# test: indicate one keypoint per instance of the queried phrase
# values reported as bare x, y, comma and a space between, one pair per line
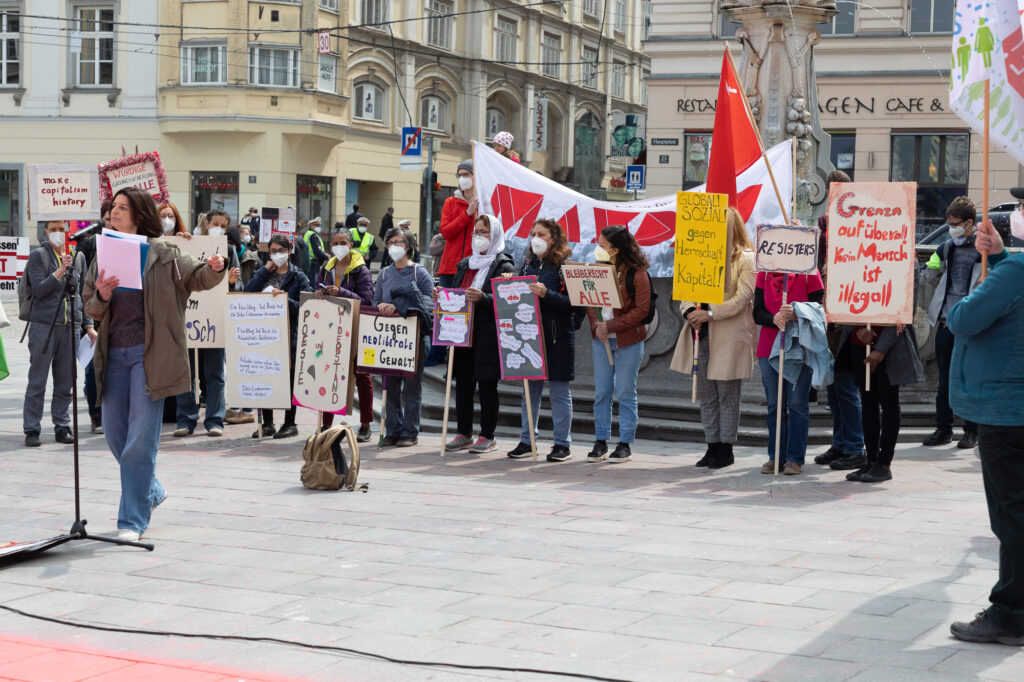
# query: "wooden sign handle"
447, 400
529, 418
782, 379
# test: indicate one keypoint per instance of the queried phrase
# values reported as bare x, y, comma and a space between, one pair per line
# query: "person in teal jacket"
986, 385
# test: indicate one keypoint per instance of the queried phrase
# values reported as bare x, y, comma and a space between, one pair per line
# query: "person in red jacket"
457, 217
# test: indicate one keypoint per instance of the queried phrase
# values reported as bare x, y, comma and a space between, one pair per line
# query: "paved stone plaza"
651, 570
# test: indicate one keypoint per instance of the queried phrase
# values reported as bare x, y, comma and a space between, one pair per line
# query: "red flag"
734, 143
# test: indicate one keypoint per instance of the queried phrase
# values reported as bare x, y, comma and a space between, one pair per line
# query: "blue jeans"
844, 402
188, 410
405, 398
131, 425
619, 380
90, 388
944, 341
796, 413
561, 410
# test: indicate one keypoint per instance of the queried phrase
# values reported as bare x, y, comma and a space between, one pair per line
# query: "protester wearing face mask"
346, 275
47, 270
240, 276
457, 217
959, 265
404, 289
170, 220
385, 260
248, 257
281, 278
625, 333
314, 247
478, 364
547, 251
363, 240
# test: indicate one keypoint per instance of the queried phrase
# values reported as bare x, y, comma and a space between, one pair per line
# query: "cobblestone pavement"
650, 570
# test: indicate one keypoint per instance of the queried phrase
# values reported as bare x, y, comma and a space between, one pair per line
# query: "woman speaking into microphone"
140, 356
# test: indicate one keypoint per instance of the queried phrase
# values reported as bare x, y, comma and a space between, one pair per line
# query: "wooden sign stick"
867, 367
778, 400
608, 350
529, 418
383, 412
195, 375
696, 353
319, 421
447, 400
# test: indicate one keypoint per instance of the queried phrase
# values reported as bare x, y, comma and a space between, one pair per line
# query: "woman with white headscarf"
478, 365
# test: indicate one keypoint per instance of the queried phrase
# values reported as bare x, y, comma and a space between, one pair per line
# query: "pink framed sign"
144, 171
453, 319
520, 334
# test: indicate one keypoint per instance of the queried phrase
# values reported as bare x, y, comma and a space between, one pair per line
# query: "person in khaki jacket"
140, 356
728, 328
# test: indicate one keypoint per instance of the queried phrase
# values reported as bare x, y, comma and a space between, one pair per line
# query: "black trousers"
466, 384
1002, 467
880, 415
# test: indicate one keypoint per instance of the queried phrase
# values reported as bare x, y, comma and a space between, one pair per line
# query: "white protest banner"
257, 350
63, 192
204, 314
144, 171
387, 345
792, 249
13, 258
591, 285
324, 367
871, 257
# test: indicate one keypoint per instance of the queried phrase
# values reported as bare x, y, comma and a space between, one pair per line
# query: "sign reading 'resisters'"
791, 249
871, 258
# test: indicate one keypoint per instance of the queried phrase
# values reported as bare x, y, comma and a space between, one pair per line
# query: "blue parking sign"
412, 141
635, 177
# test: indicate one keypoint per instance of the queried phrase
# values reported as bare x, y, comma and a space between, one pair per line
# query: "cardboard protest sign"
144, 171
64, 192
324, 367
387, 345
701, 247
257, 350
870, 260
591, 285
13, 258
520, 336
791, 249
276, 221
453, 319
204, 314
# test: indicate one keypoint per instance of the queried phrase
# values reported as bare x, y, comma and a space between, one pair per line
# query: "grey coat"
47, 290
902, 362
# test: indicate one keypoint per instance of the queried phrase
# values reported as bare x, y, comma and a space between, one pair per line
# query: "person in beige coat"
728, 328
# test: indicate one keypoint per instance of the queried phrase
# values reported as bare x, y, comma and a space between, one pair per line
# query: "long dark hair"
144, 213
630, 257
559, 250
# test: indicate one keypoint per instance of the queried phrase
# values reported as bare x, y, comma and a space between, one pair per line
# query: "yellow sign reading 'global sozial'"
701, 249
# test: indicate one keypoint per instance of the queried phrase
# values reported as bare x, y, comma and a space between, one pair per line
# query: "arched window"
369, 102
434, 113
495, 122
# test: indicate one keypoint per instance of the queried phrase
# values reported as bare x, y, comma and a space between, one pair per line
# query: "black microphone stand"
22, 551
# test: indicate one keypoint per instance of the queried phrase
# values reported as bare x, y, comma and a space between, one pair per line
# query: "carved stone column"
776, 69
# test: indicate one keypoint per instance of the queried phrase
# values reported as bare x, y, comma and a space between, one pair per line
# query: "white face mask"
168, 224
1017, 224
481, 244
217, 231
396, 252
362, 229
340, 252
57, 239
246, 238
465, 182
956, 232
279, 259
539, 246
601, 256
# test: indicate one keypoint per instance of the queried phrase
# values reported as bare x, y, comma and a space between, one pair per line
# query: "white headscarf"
482, 264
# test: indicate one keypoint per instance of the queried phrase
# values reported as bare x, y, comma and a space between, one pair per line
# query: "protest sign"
520, 336
276, 221
870, 260
257, 351
453, 319
792, 249
591, 285
63, 192
387, 345
13, 258
144, 171
204, 314
701, 247
324, 376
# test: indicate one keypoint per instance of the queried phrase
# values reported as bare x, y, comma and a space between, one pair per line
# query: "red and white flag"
735, 146
519, 196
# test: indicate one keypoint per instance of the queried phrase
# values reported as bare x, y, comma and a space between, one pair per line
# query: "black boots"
718, 456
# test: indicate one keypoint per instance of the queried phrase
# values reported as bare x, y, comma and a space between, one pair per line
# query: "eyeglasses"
396, 243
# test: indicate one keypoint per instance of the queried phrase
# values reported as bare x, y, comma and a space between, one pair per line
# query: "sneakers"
559, 453
938, 437
268, 431
215, 432
183, 432
848, 462
125, 535
364, 434
876, 474
407, 442
287, 431
599, 452
722, 457
708, 454
483, 445
97, 424
622, 454
240, 418
829, 456
791, 469
968, 442
63, 435
231, 414
459, 442
768, 467
855, 475
520, 451
32, 440
389, 441
982, 629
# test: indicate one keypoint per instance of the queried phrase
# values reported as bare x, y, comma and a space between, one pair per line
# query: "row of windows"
926, 16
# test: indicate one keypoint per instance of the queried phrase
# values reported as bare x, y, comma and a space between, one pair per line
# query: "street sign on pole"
412, 149
635, 177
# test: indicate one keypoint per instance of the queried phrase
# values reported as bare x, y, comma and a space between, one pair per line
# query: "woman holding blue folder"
140, 356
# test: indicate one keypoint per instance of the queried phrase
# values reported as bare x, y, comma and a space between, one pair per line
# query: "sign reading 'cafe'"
838, 106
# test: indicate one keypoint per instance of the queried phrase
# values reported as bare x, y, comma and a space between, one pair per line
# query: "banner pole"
793, 149
319, 421
447, 400
778, 400
984, 179
867, 367
608, 352
383, 410
195, 375
529, 418
696, 352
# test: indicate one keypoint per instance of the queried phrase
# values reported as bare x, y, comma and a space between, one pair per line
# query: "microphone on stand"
87, 232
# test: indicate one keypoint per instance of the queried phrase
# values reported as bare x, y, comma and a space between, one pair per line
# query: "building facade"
882, 79
249, 106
